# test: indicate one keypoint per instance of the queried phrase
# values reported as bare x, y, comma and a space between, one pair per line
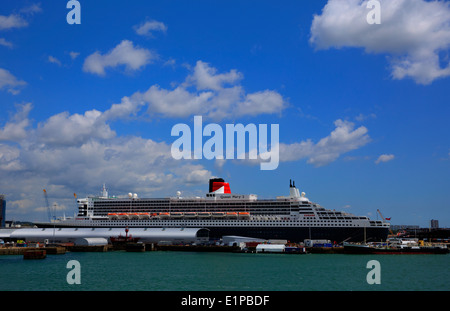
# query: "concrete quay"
53, 250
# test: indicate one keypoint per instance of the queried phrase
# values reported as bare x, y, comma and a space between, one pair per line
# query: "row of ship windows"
181, 208
122, 208
265, 222
234, 221
128, 203
348, 218
269, 213
199, 207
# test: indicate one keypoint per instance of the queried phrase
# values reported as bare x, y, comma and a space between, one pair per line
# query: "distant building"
404, 227
2, 210
434, 224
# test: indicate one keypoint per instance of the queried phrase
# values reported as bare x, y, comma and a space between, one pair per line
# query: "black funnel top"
212, 180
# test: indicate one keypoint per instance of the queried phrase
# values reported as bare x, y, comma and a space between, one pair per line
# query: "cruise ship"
293, 217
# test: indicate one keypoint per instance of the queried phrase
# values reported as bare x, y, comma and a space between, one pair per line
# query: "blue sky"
94, 103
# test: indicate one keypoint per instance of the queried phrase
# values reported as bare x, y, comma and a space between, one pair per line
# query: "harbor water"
201, 271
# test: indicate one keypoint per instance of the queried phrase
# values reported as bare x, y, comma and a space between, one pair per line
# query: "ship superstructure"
293, 217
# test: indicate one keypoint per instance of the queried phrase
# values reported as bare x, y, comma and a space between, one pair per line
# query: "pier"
325, 250
20, 241
53, 250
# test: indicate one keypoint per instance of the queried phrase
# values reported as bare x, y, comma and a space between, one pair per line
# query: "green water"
189, 271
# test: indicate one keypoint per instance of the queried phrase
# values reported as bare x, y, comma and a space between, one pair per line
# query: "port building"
70, 235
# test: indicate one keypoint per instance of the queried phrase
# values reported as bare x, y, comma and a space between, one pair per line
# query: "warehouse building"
70, 235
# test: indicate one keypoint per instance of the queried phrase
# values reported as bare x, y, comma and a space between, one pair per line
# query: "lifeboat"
204, 214
218, 214
244, 215
176, 215
133, 216
154, 216
164, 215
232, 215
144, 215
123, 216
190, 215
113, 216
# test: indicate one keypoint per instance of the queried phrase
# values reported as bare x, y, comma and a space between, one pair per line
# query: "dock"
88, 248
54, 250
135, 247
325, 250
197, 248
35, 254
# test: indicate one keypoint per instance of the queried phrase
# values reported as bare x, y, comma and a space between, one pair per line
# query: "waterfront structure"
70, 235
404, 227
223, 213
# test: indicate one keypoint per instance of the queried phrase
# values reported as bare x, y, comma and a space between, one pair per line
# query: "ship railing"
176, 215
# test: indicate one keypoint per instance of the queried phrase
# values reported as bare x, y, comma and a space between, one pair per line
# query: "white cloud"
75, 129
176, 103
6, 43
412, 33
342, 139
73, 54
147, 28
32, 9
12, 21
261, 102
9, 82
211, 94
361, 117
70, 153
169, 62
125, 109
16, 128
195, 174
125, 53
385, 158
206, 77
54, 60
17, 21
8, 158
64, 129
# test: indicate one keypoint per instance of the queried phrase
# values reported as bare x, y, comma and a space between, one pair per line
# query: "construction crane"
48, 206
385, 220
